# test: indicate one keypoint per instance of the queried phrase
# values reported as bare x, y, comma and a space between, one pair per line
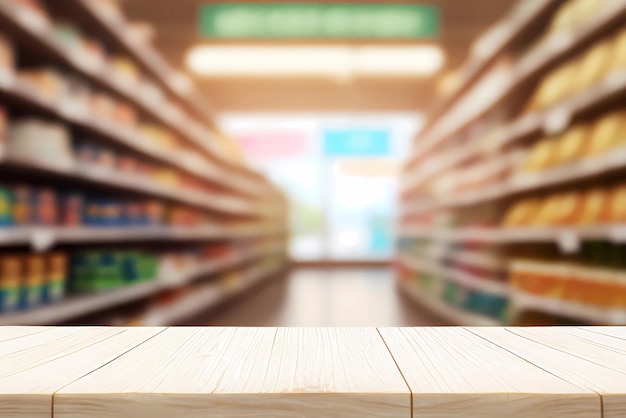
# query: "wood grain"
454, 373
40, 361
195, 372
607, 352
245, 372
335, 372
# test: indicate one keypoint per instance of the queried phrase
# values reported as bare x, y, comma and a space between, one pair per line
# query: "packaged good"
4, 122
619, 58
56, 278
35, 139
126, 115
33, 282
542, 155
594, 65
559, 209
44, 207
556, 86
607, 133
6, 206
22, 213
522, 212
72, 207
48, 82
617, 205
10, 283
67, 34
595, 204
124, 70
7, 56
572, 145
102, 106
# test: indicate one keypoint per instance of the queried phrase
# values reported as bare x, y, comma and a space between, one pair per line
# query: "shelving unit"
219, 201
493, 132
77, 306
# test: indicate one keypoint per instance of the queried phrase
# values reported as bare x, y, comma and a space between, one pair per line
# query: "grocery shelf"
17, 91
76, 306
462, 278
207, 297
109, 178
38, 35
541, 57
80, 305
611, 87
446, 311
608, 89
494, 44
567, 237
480, 259
148, 58
595, 315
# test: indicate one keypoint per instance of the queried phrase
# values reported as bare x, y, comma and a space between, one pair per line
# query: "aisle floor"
326, 297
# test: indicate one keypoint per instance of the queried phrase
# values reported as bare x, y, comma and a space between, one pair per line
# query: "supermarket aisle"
325, 297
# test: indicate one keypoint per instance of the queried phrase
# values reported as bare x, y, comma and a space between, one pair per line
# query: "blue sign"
356, 143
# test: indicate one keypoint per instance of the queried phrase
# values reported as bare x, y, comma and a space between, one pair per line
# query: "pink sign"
269, 144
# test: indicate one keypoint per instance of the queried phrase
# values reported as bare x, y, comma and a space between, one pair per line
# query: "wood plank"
335, 372
195, 372
13, 332
601, 349
609, 383
34, 366
452, 372
613, 331
245, 372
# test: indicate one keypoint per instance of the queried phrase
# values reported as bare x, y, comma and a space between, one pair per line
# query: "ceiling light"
399, 61
341, 62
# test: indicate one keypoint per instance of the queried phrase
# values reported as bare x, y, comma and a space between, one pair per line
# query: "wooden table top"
105, 372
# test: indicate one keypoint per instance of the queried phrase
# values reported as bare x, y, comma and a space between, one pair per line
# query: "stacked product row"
29, 281
545, 157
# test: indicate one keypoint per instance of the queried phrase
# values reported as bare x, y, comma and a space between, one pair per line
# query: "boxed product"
39, 140
7, 56
6, 206
33, 282
10, 283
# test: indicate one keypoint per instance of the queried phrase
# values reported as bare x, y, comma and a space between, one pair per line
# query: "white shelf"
450, 313
76, 306
592, 314
43, 238
611, 232
205, 298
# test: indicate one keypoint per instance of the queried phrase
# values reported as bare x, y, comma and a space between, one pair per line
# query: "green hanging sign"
318, 20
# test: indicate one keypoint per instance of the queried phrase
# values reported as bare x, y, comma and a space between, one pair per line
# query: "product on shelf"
42, 141
10, 283
522, 212
607, 133
29, 281
7, 56
124, 70
572, 145
575, 12
96, 271
4, 122
594, 64
570, 282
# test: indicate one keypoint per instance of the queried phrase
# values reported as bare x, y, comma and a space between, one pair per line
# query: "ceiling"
175, 22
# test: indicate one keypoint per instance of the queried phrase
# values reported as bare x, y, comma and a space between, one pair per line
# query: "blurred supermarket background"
312, 163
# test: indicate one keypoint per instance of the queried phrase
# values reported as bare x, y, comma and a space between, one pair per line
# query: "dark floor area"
325, 297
